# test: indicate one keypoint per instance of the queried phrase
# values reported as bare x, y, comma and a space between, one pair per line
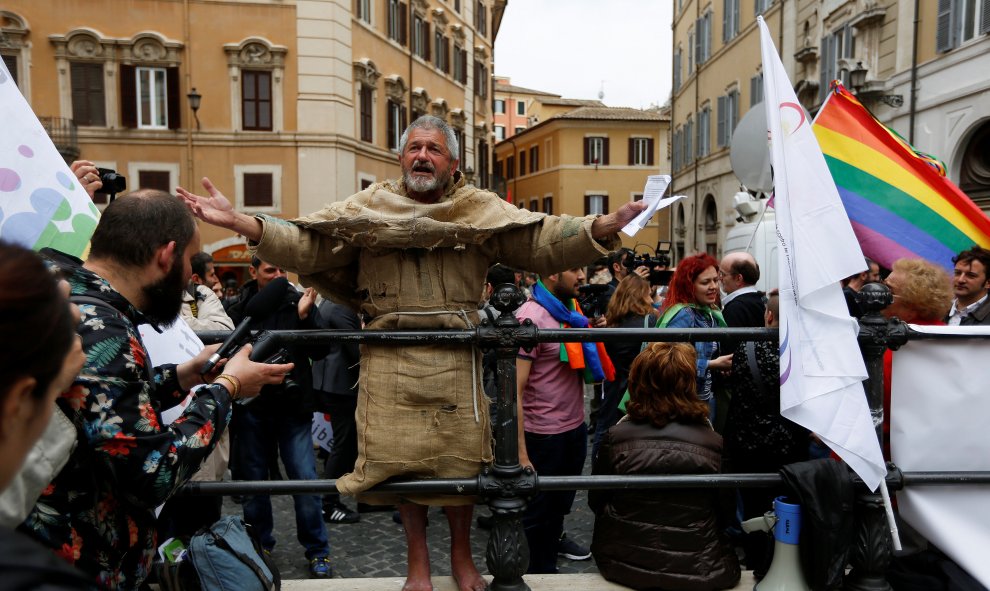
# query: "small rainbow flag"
899, 201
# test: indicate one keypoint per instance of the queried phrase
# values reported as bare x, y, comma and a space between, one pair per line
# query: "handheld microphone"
263, 304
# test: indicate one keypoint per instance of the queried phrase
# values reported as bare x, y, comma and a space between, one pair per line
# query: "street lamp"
857, 77
857, 80
194, 100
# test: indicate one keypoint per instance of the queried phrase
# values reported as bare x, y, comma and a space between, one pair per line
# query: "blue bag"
226, 557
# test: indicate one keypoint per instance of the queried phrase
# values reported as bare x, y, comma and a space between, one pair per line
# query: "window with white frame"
396, 123
704, 131
499, 133
397, 21
959, 21
596, 150
499, 106
730, 20
691, 51
152, 97
641, 151
258, 187
728, 116
362, 10
441, 50
421, 37
595, 204
837, 46
688, 140
520, 107
756, 89
703, 38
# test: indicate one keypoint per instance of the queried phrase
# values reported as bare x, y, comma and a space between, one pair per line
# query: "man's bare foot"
468, 578
417, 552
462, 566
417, 584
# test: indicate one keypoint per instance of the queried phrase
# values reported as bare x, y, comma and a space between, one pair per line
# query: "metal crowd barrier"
505, 486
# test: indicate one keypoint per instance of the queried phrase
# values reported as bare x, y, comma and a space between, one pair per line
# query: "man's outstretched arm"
216, 210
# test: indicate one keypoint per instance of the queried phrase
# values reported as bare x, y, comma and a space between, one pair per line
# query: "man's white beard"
419, 184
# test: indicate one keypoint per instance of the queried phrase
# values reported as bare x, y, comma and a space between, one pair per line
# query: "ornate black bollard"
506, 485
872, 545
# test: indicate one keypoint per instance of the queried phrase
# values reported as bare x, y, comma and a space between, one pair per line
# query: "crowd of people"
412, 253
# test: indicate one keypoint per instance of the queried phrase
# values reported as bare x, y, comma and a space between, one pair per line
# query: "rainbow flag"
899, 201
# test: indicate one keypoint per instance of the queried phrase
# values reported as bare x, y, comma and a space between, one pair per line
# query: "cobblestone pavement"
376, 546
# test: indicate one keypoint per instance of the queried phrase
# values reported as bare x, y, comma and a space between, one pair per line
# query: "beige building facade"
717, 79
923, 74
589, 160
298, 102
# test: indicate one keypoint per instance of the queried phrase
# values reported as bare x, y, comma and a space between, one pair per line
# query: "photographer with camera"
99, 511
102, 181
279, 423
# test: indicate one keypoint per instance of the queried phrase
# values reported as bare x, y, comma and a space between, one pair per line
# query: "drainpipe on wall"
698, 236
186, 36
515, 177
914, 73
409, 38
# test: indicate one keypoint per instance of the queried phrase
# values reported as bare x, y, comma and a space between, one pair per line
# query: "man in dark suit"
970, 284
742, 304
335, 381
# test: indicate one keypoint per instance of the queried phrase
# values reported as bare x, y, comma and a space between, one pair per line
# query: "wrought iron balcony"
64, 135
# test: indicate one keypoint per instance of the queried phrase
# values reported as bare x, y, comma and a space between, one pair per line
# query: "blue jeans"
292, 434
552, 455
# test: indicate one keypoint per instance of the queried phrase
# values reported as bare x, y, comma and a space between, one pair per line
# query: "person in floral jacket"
99, 512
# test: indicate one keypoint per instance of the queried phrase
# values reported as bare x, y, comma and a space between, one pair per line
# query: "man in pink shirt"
551, 403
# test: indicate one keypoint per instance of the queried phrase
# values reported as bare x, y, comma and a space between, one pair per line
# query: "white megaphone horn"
785, 570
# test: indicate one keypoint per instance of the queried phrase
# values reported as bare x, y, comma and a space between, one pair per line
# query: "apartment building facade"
285, 104
589, 160
921, 74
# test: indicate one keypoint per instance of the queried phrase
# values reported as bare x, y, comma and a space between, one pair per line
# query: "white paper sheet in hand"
175, 344
656, 186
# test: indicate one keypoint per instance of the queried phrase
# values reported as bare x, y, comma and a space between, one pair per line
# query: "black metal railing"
505, 486
64, 134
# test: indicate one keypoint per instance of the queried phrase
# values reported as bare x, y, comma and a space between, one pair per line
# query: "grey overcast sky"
575, 48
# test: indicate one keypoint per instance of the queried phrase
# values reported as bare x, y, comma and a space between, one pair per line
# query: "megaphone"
785, 570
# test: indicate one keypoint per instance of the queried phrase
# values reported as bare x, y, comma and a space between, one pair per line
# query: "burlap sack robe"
408, 265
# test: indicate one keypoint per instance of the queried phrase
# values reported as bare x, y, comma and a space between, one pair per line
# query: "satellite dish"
749, 151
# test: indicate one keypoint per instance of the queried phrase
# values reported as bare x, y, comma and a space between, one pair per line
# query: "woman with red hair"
692, 302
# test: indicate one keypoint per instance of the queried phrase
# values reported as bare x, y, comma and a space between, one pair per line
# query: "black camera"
593, 299
113, 183
657, 264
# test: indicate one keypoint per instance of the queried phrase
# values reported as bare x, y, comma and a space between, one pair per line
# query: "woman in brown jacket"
662, 539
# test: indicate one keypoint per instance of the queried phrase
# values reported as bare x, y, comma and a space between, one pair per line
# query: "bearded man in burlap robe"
413, 254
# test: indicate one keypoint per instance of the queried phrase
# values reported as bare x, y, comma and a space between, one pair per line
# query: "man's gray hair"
431, 122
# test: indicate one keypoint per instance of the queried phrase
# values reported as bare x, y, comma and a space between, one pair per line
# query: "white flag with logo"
821, 367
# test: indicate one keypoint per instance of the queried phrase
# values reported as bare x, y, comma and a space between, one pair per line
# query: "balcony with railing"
64, 134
